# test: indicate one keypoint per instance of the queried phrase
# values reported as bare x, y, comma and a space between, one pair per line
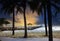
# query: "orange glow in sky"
30, 18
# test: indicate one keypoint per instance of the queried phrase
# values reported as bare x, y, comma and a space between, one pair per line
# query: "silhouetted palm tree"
34, 4
49, 3
49, 20
10, 6
45, 20
24, 10
39, 5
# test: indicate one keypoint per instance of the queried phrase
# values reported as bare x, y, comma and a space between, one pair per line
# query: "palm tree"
25, 25
39, 5
6, 7
49, 20
44, 6
34, 6
9, 6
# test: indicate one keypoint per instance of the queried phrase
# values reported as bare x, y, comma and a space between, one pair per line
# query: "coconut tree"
45, 20
49, 20
45, 4
39, 5
9, 7
34, 4
24, 10
49, 3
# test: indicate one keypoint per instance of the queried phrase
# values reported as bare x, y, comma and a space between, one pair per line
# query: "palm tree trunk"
25, 25
45, 20
49, 20
13, 21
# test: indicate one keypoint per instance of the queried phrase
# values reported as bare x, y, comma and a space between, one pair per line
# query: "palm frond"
8, 6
